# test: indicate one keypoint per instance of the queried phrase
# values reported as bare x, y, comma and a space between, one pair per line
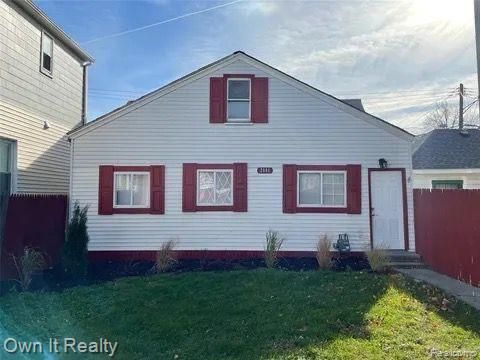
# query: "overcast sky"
400, 57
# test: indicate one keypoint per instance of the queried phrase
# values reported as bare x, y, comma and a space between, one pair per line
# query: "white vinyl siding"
175, 129
57, 98
42, 157
471, 180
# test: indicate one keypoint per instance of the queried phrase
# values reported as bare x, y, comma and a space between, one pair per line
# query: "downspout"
84, 92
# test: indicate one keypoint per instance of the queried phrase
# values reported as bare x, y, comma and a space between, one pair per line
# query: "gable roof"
240, 55
37, 14
448, 149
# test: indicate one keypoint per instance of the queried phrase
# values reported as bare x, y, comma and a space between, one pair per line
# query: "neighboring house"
42, 97
447, 159
220, 156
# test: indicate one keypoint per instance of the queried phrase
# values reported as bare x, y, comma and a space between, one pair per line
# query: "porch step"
407, 265
405, 259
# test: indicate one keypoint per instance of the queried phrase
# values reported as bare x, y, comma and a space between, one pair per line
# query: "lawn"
257, 314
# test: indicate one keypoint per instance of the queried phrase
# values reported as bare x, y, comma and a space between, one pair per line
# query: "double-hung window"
238, 100
321, 189
215, 187
131, 190
46, 60
6, 148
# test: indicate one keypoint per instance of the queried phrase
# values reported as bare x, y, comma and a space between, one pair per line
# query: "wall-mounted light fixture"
46, 125
382, 163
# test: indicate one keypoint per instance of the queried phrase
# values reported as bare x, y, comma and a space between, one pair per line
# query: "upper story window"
6, 149
238, 99
46, 60
215, 187
132, 190
322, 188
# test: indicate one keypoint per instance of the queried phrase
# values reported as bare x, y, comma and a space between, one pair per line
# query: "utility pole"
460, 107
476, 10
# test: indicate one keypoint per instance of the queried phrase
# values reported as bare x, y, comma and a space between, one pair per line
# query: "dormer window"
46, 60
238, 100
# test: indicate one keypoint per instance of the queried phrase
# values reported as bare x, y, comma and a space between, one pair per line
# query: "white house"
221, 155
447, 159
42, 97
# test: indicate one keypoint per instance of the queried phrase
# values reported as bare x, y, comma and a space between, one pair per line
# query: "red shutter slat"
240, 195
289, 188
354, 189
217, 100
105, 190
189, 193
157, 189
259, 100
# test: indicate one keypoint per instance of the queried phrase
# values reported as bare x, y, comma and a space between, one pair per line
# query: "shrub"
324, 258
29, 263
165, 257
378, 260
273, 244
75, 250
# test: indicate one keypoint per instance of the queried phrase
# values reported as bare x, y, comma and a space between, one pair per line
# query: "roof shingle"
447, 149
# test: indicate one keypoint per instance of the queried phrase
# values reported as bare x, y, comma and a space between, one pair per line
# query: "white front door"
386, 192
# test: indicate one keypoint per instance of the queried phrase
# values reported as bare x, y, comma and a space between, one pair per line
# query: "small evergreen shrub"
323, 256
165, 257
75, 250
272, 246
31, 262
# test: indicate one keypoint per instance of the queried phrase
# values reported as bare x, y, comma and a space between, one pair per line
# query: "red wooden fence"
37, 221
447, 232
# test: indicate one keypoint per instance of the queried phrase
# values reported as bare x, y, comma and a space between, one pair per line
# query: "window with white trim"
6, 166
238, 99
131, 190
322, 188
215, 187
46, 60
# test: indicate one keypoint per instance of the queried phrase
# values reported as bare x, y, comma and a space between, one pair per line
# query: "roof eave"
37, 14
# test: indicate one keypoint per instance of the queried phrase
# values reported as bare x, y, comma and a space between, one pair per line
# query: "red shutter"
354, 189
189, 196
289, 188
259, 100
105, 190
217, 100
157, 189
240, 196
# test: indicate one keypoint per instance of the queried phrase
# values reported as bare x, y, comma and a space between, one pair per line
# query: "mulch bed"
53, 280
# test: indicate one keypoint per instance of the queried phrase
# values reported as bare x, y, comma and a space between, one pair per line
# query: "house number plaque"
264, 170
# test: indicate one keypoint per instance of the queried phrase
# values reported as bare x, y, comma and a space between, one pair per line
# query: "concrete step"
408, 265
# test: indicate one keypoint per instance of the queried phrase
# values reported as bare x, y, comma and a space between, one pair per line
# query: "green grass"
260, 314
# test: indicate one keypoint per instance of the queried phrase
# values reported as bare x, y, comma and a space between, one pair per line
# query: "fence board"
33, 220
447, 231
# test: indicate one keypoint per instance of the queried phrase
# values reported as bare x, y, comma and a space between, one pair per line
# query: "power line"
160, 22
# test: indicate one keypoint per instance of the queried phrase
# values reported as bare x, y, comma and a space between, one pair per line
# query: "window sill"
238, 123
131, 210
214, 208
332, 210
46, 73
